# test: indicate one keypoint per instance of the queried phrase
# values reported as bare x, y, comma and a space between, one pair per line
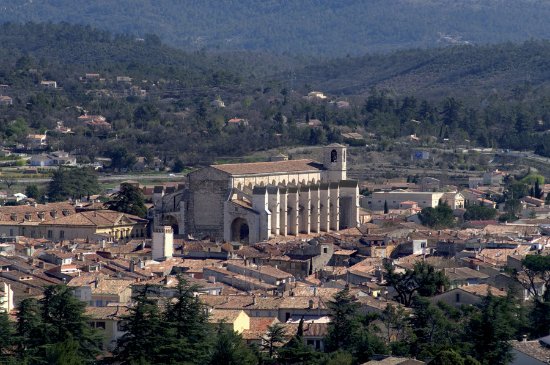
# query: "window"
100, 325
287, 316
61, 235
325, 250
333, 156
457, 297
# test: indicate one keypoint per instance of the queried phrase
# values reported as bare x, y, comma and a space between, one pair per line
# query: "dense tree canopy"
129, 199
438, 217
423, 280
72, 183
479, 212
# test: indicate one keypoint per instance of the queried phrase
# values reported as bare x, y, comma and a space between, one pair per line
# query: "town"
269, 245
245, 187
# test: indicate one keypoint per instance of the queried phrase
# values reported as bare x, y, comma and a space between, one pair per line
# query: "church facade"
252, 202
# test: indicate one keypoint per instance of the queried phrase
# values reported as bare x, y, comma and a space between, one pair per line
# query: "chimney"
132, 265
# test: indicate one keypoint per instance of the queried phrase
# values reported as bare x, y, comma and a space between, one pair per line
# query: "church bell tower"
334, 162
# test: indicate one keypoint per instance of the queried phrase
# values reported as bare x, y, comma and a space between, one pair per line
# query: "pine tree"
342, 332
187, 321
55, 328
491, 329
29, 330
6, 336
230, 349
63, 317
274, 337
144, 333
128, 200
66, 353
295, 351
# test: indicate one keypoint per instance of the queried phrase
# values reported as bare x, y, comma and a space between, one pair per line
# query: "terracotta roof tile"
270, 167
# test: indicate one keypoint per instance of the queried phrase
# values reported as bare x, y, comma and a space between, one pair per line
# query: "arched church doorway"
240, 230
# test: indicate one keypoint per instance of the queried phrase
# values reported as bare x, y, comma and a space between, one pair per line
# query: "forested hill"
311, 27
463, 71
69, 48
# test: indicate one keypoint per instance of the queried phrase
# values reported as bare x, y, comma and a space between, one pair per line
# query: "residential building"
467, 295
49, 84
108, 321
5, 100
36, 141
536, 352
236, 122
58, 158
424, 199
316, 95
237, 320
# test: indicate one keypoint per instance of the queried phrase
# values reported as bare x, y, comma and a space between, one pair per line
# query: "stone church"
252, 202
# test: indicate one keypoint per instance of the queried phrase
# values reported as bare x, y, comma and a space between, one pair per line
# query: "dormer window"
41, 215
65, 212
13, 216
28, 216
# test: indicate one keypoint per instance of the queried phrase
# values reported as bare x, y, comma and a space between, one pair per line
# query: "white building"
424, 199
163, 243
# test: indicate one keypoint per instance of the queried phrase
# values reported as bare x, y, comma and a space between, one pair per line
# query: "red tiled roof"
270, 167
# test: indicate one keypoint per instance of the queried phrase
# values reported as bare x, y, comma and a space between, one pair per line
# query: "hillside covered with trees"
465, 71
312, 27
174, 107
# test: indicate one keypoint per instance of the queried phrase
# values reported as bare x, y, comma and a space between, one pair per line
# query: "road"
112, 178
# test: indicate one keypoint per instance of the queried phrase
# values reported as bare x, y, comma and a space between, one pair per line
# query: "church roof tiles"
270, 167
